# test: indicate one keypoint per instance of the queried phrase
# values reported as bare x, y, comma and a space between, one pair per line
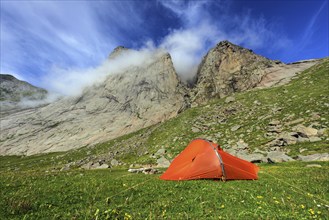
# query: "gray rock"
87, 166
148, 170
306, 132
229, 99
114, 162
235, 128
313, 165
253, 157
274, 123
314, 139
314, 157
195, 130
256, 102
274, 129
301, 150
163, 162
288, 138
278, 156
161, 152
65, 168
242, 145
322, 132
103, 166
302, 139
297, 121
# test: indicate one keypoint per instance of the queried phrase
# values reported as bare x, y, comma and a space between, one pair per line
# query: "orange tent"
203, 159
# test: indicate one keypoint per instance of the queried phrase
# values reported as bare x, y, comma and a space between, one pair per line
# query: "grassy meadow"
283, 191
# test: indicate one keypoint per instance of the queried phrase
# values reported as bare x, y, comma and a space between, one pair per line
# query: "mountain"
228, 68
287, 122
138, 97
14, 92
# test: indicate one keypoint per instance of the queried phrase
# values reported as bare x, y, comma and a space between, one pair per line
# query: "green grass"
283, 191
33, 187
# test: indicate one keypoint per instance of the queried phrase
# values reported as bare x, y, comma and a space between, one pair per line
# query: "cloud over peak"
65, 41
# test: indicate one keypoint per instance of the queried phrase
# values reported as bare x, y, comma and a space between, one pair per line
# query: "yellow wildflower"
311, 211
127, 216
259, 197
302, 206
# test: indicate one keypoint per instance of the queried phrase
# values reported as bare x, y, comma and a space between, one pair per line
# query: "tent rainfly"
203, 159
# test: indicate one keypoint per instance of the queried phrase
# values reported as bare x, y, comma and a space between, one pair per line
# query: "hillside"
290, 120
136, 96
251, 125
16, 94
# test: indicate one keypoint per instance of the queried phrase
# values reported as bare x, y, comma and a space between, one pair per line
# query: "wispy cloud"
202, 30
39, 35
72, 82
310, 28
54, 43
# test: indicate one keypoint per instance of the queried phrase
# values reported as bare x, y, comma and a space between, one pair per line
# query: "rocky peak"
225, 46
228, 68
136, 98
13, 91
4, 77
117, 51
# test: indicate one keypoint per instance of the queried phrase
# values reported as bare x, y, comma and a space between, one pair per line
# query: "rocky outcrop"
125, 102
143, 95
14, 92
228, 68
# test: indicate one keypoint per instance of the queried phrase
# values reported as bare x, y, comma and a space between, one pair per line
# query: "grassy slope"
34, 187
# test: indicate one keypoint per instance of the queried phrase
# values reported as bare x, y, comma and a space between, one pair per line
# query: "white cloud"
71, 82
187, 46
66, 41
202, 30
47, 33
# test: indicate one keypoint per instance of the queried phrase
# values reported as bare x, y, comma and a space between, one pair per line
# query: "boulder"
195, 130
274, 122
161, 152
242, 145
87, 166
278, 156
114, 162
295, 121
103, 166
253, 157
288, 138
313, 165
314, 139
147, 170
163, 162
314, 157
274, 129
306, 132
229, 99
235, 128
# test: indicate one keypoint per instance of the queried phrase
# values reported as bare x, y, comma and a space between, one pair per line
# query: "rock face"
143, 95
226, 69
13, 91
125, 102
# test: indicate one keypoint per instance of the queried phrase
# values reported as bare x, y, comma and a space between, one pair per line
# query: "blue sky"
42, 39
